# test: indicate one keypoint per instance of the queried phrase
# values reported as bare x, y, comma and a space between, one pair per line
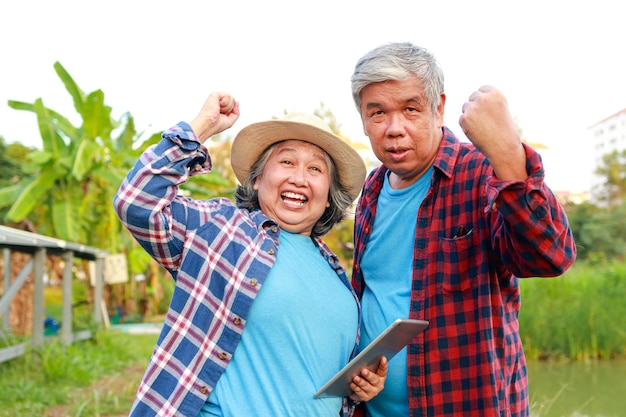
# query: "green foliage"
578, 216
341, 240
68, 185
613, 172
599, 233
577, 316
12, 157
13, 168
599, 229
76, 171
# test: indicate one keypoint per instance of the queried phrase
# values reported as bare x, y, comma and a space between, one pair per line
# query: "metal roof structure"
39, 246
30, 242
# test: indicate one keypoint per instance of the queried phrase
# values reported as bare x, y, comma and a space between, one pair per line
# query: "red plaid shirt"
470, 362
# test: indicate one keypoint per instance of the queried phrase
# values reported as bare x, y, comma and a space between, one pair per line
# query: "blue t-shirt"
387, 270
301, 330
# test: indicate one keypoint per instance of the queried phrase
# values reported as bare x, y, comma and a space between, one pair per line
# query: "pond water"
594, 389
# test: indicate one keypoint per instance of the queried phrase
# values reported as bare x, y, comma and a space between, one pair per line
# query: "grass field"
91, 378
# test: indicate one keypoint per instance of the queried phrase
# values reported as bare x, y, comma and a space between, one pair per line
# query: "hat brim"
252, 140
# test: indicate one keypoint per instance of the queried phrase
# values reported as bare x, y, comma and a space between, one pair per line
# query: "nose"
395, 128
298, 177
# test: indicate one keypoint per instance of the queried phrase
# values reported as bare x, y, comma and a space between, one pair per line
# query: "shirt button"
204, 390
275, 229
198, 167
253, 282
223, 356
494, 206
270, 252
237, 320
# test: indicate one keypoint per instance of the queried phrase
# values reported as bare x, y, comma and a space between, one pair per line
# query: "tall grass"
579, 316
69, 379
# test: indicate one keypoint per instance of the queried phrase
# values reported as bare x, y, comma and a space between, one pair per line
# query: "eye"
377, 116
316, 168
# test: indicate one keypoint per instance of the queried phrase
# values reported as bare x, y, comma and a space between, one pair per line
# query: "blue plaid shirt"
219, 256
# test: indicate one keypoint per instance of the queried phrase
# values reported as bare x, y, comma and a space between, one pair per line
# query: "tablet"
387, 344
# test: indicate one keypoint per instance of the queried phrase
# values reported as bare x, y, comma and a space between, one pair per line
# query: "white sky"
561, 65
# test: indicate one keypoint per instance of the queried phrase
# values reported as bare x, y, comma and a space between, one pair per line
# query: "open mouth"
293, 198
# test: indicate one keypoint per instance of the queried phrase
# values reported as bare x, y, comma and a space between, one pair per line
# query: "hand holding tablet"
388, 343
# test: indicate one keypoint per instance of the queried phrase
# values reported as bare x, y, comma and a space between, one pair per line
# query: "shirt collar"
448, 153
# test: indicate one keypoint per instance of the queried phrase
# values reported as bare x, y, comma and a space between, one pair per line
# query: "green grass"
90, 378
578, 316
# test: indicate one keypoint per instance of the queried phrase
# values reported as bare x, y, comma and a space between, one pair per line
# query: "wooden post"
38, 298
6, 283
99, 290
66, 321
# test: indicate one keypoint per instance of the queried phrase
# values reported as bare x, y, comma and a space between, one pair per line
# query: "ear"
256, 183
440, 108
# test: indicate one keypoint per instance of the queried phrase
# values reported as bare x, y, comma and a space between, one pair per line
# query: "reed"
578, 316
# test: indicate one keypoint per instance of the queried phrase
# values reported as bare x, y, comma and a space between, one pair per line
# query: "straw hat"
252, 140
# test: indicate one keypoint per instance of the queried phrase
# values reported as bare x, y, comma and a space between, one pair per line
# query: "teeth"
294, 196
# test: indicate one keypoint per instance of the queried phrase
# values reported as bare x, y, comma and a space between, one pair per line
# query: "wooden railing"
39, 246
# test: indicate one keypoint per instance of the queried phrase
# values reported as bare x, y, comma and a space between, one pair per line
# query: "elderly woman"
262, 313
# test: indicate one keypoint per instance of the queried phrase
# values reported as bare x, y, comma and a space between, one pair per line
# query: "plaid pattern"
475, 235
219, 257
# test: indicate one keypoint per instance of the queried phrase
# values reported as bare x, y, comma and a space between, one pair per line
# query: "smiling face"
403, 129
293, 188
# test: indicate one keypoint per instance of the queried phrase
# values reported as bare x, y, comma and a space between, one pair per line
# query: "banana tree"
69, 184
77, 171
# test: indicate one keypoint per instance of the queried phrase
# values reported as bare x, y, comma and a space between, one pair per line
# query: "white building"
608, 135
